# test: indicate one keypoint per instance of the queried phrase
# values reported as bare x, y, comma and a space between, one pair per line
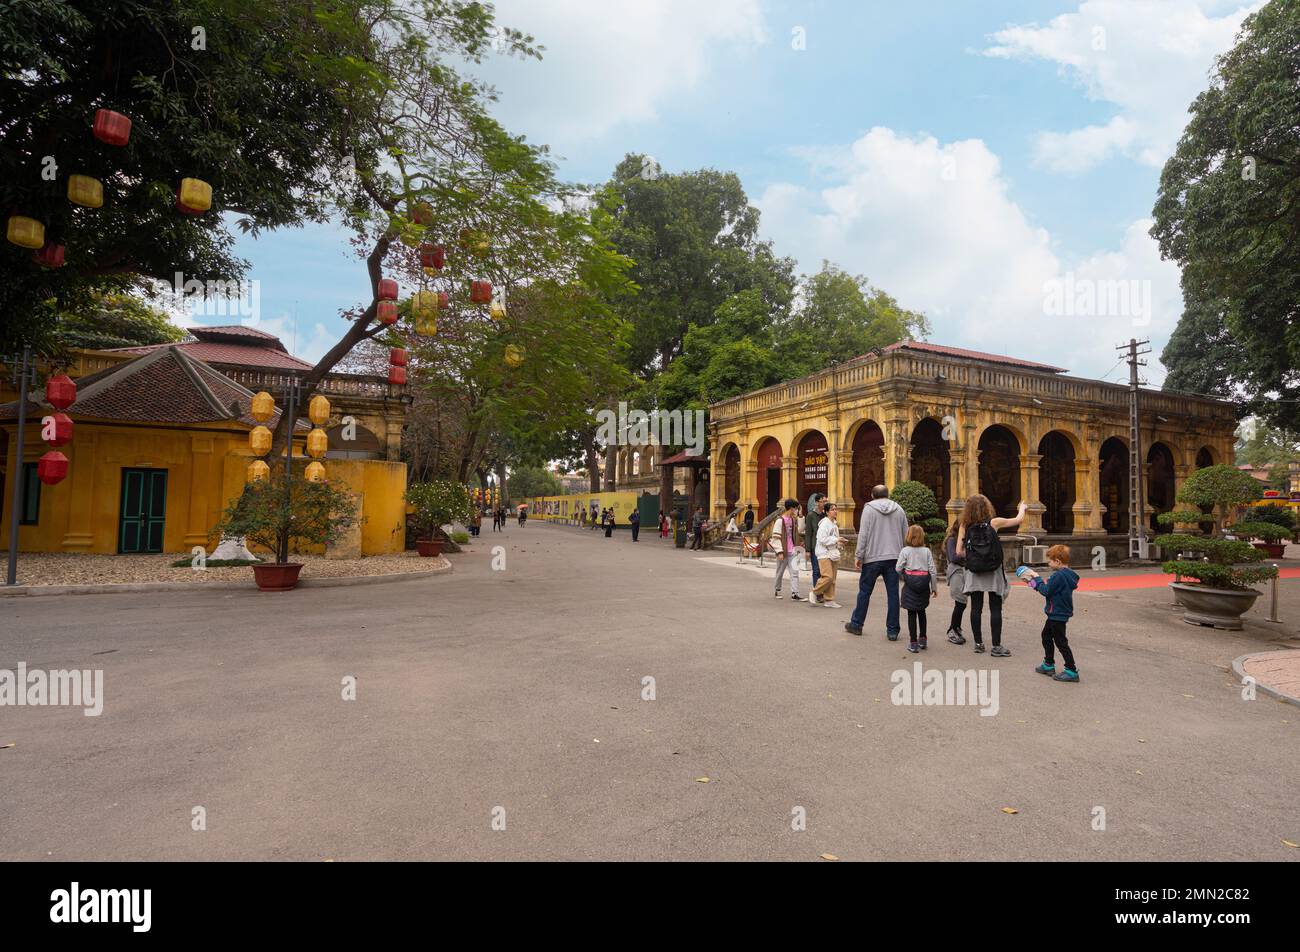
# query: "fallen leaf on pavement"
3, 746
701, 779
831, 856
1010, 810
1294, 846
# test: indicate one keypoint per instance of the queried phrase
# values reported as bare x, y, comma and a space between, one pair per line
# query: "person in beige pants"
827, 552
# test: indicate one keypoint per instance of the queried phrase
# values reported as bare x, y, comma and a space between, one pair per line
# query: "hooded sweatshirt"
883, 529
1059, 592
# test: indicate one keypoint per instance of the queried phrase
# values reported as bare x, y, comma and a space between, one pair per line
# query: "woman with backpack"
955, 575
980, 549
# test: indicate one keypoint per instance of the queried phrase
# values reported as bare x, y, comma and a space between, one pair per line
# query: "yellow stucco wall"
622, 502
205, 466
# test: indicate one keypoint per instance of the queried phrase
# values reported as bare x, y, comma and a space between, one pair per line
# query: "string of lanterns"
260, 439
193, 196
56, 429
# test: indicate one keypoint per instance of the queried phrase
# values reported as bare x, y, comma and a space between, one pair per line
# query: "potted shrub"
278, 515
1215, 574
434, 504
1280, 516
1265, 536
917, 500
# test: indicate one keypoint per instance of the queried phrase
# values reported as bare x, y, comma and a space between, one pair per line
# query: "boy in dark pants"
1059, 593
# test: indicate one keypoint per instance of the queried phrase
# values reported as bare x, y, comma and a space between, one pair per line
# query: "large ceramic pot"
277, 577
1214, 607
429, 548
1274, 550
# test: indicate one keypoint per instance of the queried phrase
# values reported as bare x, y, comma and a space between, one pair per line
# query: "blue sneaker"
1067, 675
1047, 669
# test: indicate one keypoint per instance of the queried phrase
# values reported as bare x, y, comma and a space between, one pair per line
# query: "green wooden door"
144, 510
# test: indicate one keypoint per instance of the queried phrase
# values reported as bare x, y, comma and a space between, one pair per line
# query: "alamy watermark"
1089, 297
58, 688
951, 687
220, 298
626, 427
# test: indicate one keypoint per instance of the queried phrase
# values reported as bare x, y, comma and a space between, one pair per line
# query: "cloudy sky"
982, 162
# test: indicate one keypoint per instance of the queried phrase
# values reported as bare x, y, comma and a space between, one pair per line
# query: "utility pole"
1137, 521
24, 378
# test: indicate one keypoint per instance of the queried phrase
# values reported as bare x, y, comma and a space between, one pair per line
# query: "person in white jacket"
827, 552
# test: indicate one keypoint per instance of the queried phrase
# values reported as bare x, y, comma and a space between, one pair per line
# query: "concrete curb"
121, 588
1238, 665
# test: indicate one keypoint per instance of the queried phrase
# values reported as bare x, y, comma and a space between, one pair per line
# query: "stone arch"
1058, 449
731, 475
868, 448
364, 445
1000, 448
767, 486
1204, 457
636, 463
930, 462
1112, 479
1161, 487
812, 465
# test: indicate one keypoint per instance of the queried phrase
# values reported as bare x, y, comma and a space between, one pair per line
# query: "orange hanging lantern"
60, 391
314, 473
514, 355
397, 357
259, 440
317, 443
194, 197
56, 429
26, 232
386, 311
52, 468
444, 301
397, 376
480, 292
111, 127
257, 471
387, 290
318, 410
49, 256
87, 191
262, 407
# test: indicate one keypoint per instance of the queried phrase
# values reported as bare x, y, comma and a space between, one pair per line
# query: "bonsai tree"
276, 514
437, 503
1221, 562
1278, 515
917, 500
1263, 531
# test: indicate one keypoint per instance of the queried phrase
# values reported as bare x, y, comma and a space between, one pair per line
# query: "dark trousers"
636, 530
817, 572
958, 610
886, 569
915, 619
1054, 635
976, 600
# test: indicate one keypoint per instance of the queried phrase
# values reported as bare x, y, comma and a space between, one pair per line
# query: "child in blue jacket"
1059, 593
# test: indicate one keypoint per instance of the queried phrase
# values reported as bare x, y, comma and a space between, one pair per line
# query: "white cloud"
611, 62
933, 225
1150, 58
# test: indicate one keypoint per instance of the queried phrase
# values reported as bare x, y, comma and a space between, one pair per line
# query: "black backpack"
983, 548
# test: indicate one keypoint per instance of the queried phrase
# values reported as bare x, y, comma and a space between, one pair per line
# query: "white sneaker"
832, 604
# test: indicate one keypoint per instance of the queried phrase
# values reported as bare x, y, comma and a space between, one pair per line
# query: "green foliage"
1278, 515
1270, 448
109, 320
308, 514
917, 500
460, 538
1221, 486
438, 503
1226, 213
527, 481
1263, 531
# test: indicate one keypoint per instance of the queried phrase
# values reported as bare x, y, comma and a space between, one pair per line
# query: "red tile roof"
928, 348
684, 457
242, 355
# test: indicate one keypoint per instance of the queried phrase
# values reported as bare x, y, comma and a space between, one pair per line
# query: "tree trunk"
593, 462
611, 468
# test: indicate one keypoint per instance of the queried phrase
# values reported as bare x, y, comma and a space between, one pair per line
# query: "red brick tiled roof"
232, 345
940, 349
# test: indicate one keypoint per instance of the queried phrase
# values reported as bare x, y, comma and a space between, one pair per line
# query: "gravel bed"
71, 568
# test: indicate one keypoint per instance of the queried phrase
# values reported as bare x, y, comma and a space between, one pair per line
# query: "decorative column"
1087, 499
788, 464
833, 474
80, 532
843, 493
1033, 524
197, 525
957, 480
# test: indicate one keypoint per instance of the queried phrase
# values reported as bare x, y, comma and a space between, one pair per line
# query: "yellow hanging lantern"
514, 355
424, 303
262, 407
257, 471
259, 440
318, 410
314, 473
87, 191
317, 443
26, 232
195, 195
426, 325
497, 311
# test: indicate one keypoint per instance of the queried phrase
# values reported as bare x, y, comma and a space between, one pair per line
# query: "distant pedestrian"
476, 526
697, 523
634, 521
826, 552
1059, 608
664, 525
880, 539
978, 544
955, 573
810, 538
920, 584
788, 546
749, 519
609, 523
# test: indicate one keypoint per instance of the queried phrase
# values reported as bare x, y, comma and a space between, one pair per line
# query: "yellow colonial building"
160, 447
961, 421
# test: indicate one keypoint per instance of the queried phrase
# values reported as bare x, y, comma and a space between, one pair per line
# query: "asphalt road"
521, 689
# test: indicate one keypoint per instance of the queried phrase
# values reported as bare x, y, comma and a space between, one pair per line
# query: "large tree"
1228, 211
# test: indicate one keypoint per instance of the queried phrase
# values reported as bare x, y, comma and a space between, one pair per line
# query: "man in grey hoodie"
880, 539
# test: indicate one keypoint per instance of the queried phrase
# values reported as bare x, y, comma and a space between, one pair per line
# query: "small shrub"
460, 538
276, 516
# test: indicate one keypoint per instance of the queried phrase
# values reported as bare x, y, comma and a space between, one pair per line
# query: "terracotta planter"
1214, 607
429, 547
277, 577
1274, 550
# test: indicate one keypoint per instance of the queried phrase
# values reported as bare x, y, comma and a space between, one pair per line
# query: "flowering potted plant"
435, 504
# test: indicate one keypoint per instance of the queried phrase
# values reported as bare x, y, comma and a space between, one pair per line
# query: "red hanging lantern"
397, 376
56, 429
111, 127
422, 213
49, 256
60, 391
387, 312
432, 256
397, 357
388, 290
52, 467
480, 292
444, 301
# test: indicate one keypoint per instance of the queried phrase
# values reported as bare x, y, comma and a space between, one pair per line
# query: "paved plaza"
515, 697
